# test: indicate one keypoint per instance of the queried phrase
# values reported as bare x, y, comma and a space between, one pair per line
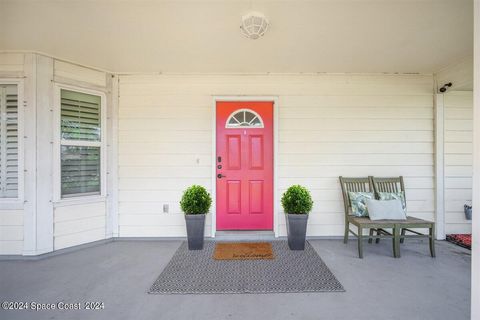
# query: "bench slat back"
363, 184
389, 184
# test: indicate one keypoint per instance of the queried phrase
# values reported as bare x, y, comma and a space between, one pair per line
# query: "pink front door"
244, 163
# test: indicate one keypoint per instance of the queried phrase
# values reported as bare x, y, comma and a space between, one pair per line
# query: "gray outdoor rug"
191, 272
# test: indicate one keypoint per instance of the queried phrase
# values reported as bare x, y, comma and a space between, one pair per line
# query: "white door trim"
274, 99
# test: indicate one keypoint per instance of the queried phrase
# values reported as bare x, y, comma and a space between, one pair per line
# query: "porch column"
475, 302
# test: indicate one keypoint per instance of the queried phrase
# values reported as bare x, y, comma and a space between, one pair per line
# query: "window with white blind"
80, 144
9, 150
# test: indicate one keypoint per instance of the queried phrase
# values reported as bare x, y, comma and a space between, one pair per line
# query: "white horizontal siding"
329, 125
79, 224
64, 71
11, 231
11, 64
355, 136
458, 159
326, 183
303, 85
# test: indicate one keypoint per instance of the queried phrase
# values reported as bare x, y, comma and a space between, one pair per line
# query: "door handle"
220, 176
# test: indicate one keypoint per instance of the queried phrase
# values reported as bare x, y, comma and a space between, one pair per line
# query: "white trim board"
112, 158
44, 156
475, 297
274, 100
439, 166
30, 154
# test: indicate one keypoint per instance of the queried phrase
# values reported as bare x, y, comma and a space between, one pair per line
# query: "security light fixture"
254, 25
445, 87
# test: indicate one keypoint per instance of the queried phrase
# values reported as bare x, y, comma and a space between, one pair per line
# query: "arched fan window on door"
244, 118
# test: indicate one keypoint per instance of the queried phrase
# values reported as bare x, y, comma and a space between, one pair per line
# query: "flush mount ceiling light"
254, 25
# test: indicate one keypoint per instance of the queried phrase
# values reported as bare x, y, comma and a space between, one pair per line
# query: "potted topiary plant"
195, 204
297, 203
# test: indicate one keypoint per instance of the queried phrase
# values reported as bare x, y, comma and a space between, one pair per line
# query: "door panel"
234, 199
234, 154
256, 197
256, 152
244, 165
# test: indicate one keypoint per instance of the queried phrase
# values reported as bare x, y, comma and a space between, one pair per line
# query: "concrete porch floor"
119, 274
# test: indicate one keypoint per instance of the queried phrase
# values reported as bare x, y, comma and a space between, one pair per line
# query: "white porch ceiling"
203, 36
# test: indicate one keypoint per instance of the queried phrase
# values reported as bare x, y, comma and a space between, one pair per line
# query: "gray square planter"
195, 230
296, 230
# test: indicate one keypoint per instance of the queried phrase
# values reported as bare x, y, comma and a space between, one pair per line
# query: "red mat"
462, 240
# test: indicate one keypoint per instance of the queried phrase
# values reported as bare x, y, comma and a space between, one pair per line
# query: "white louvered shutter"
80, 124
9, 141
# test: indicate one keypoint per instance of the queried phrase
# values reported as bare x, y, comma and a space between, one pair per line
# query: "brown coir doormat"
243, 251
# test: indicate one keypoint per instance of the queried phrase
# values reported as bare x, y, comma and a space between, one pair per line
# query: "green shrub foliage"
297, 200
195, 200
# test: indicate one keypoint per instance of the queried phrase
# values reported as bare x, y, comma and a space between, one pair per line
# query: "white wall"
76, 221
12, 212
39, 225
78, 224
11, 231
329, 125
458, 159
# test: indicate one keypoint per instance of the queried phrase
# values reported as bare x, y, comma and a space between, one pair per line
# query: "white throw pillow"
385, 210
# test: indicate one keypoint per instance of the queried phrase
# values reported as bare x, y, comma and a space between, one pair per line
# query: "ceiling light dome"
254, 25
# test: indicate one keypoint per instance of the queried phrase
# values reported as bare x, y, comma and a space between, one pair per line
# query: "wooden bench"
380, 228
363, 185
396, 184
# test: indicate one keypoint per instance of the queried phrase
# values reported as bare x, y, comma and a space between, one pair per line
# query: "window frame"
232, 115
19, 199
58, 142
